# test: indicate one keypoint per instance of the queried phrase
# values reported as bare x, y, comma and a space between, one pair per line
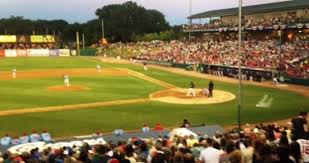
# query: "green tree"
123, 21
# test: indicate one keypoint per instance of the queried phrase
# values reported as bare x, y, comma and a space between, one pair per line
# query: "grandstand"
272, 16
280, 26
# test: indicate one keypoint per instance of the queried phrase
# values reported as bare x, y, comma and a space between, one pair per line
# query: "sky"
175, 11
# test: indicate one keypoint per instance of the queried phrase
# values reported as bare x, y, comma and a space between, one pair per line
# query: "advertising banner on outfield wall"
23, 39
21, 53
64, 52
2, 54
8, 38
42, 38
10, 53
38, 52
53, 52
73, 52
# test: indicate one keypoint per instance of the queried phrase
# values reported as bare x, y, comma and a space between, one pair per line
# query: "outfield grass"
67, 123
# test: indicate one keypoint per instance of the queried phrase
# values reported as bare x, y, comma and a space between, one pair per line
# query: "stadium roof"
262, 8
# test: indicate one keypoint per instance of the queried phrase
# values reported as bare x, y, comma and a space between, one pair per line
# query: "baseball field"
119, 97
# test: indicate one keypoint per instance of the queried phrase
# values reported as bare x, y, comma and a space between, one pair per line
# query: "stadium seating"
186, 144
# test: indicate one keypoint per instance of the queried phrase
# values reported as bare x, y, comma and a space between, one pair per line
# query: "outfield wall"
36, 52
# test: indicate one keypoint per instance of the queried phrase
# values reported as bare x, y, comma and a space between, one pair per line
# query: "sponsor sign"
7, 38
182, 132
64, 52
2, 53
48, 38
53, 52
36, 38
27, 147
300, 25
38, 52
42, 38
19, 149
10, 53
21, 53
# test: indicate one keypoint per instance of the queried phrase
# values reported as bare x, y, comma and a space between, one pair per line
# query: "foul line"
71, 107
147, 78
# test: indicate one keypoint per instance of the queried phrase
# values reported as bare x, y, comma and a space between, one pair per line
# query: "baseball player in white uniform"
204, 92
14, 73
275, 81
191, 91
98, 68
66, 80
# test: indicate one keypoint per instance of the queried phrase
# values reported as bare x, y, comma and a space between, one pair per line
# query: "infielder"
66, 80
191, 91
98, 68
14, 73
275, 81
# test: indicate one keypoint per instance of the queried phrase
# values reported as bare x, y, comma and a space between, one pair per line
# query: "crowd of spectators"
128, 50
289, 19
214, 24
289, 57
254, 144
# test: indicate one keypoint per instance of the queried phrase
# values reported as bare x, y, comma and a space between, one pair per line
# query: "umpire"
210, 88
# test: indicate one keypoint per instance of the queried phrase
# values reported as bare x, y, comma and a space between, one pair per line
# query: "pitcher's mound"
69, 88
178, 96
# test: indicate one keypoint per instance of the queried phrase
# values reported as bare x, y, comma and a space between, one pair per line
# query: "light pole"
83, 39
77, 44
239, 67
103, 28
190, 21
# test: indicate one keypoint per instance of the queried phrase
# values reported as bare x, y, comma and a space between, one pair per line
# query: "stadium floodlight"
239, 66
